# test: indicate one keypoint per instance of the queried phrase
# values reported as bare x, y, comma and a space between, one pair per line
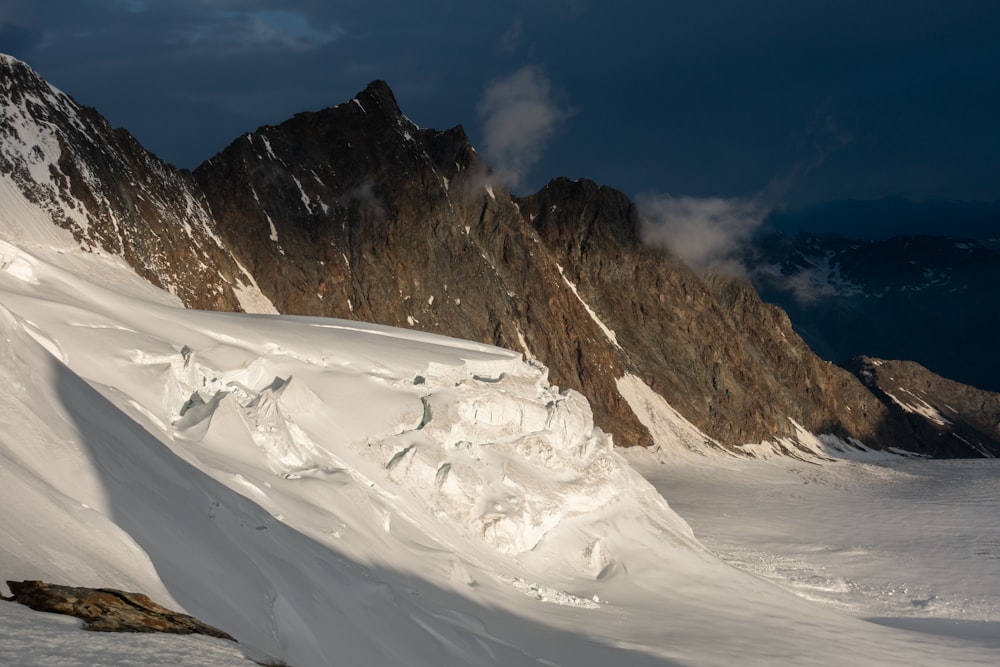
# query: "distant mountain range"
355, 212
923, 298
880, 219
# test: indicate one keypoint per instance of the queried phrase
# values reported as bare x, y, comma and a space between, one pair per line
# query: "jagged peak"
23, 71
20, 78
582, 187
10, 61
377, 94
602, 208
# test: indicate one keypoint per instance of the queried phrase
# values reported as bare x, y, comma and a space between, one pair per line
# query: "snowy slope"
336, 493
62, 167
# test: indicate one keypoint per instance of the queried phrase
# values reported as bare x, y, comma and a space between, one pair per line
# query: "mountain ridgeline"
99, 183
355, 212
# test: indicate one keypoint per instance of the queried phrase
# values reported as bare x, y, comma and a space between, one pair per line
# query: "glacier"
332, 492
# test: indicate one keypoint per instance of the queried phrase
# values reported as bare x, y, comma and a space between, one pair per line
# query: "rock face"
728, 362
951, 417
109, 610
355, 212
112, 194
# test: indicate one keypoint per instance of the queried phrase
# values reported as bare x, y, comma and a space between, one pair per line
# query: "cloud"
707, 233
520, 113
511, 38
807, 285
262, 29
713, 234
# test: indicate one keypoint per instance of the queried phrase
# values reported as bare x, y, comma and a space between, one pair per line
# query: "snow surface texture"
337, 493
31, 639
906, 541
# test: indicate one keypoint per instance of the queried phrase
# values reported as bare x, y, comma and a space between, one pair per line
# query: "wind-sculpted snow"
16, 263
486, 444
370, 441
511, 457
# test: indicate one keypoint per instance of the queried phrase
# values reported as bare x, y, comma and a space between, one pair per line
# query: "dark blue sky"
796, 101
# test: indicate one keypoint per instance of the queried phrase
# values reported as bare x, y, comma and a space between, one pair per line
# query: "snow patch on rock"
590, 311
671, 432
918, 406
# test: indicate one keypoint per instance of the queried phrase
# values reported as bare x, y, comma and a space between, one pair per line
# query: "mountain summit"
355, 212
66, 162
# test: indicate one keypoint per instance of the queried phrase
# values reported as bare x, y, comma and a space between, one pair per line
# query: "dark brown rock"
109, 610
950, 418
728, 362
355, 212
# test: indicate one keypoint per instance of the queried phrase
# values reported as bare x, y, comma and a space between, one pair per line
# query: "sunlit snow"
590, 311
332, 492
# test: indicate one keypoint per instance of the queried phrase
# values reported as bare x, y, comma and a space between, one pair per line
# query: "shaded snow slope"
33, 639
336, 493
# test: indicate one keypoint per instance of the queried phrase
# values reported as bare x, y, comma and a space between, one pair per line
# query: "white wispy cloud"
707, 233
712, 233
520, 113
267, 29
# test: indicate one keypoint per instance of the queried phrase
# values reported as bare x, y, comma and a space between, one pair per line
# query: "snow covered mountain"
64, 162
355, 212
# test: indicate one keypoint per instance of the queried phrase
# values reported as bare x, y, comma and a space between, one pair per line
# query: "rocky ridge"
355, 212
111, 194
952, 416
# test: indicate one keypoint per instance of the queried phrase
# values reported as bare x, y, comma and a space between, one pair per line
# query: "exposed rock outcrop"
108, 609
949, 417
728, 362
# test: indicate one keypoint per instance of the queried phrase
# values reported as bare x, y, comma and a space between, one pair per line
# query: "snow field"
890, 538
49, 640
337, 493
